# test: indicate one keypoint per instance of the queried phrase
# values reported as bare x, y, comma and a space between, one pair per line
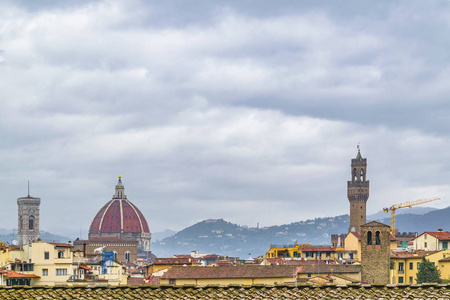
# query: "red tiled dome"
119, 216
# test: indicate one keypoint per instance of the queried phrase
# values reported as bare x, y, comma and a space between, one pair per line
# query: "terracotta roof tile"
329, 268
255, 271
409, 254
171, 261
12, 274
287, 292
61, 245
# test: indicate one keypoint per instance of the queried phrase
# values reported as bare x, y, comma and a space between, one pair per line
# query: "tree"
428, 272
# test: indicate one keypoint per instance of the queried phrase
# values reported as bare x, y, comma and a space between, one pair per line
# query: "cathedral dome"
119, 215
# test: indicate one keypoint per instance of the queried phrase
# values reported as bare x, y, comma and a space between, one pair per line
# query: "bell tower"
358, 192
28, 219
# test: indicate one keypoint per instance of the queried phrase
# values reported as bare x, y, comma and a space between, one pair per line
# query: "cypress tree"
428, 273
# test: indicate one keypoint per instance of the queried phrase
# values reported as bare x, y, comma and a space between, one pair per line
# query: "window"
432, 264
172, 281
350, 255
425, 236
369, 238
425, 244
31, 222
410, 279
28, 267
44, 272
328, 254
418, 265
400, 279
127, 256
444, 245
46, 255
411, 266
377, 238
309, 274
400, 269
61, 272
60, 254
115, 255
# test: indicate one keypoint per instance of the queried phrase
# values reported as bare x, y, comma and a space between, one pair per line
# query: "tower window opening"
369, 238
377, 238
362, 175
355, 177
31, 222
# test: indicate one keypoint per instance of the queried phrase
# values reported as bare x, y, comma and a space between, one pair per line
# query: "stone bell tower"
28, 219
358, 192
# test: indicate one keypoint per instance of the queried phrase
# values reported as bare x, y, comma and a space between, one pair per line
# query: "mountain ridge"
225, 238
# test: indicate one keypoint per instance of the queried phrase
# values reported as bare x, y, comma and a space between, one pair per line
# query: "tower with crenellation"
358, 192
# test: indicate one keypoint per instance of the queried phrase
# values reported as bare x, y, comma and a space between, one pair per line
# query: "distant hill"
432, 221
222, 237
157, 236
413, 211
6, 235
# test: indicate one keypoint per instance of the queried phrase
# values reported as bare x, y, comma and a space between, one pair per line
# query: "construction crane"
394, 207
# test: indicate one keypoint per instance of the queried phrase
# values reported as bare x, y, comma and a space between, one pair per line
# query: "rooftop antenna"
28, 188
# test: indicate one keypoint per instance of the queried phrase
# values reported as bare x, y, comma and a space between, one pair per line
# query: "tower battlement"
358, 192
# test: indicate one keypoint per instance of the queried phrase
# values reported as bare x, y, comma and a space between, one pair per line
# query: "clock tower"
358, 192
28, 219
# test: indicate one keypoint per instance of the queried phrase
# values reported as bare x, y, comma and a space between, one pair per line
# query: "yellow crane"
394, 207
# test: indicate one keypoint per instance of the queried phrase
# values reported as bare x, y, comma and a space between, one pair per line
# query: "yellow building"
406, 264
352, 247
53, 262
161, 265
304, 251
432, 240
330, 273
90, 269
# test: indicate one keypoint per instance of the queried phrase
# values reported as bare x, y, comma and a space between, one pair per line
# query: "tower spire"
358, 156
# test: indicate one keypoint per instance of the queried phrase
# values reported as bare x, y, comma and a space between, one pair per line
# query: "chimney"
70, 243
440, 230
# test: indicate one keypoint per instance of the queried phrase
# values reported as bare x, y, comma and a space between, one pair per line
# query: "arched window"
115, 255
127, 256
369, 238
31, 222
362, 175
355, 176
60, 254
377, 238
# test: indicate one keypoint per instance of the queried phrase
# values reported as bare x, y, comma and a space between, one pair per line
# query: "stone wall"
375, 253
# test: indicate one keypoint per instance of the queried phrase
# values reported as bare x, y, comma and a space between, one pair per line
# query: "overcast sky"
248, 111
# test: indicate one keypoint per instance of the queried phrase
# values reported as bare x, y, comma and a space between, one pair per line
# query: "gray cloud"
244, 111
